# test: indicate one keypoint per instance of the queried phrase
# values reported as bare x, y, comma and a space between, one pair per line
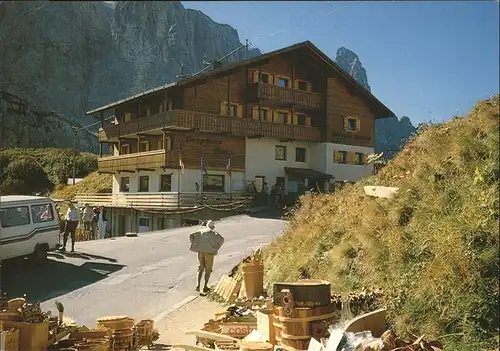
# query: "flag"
228, 166
202, 167
181, 163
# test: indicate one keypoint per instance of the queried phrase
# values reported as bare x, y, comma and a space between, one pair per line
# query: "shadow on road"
268, 213
82, 255
41, 282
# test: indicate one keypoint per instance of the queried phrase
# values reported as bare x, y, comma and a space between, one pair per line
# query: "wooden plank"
380, 191
209, 335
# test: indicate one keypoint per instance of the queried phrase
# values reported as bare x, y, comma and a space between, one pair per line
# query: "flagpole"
230, 176
202, 166
179, 176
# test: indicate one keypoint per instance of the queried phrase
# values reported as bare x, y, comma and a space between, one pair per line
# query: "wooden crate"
32, 336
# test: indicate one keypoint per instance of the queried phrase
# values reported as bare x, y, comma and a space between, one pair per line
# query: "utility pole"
74, 154
246, 49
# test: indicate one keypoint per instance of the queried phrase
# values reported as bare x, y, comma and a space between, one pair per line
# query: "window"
301, 85
351, 124
170, 106
264, 78
125, 149
233, 110
125, 184
264, 115
359, 158
166, 182
300, 154
42, 213
340, 157
14, 216
280, 152
143, 183
281, 117
283, 82
127, 117
213, 183
144, 146
301, 119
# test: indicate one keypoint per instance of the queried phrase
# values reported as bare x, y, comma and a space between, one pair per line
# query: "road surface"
142, 277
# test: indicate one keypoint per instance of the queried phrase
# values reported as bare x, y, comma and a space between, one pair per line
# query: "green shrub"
25, 176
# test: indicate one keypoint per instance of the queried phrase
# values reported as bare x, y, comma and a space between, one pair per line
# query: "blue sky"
426, 60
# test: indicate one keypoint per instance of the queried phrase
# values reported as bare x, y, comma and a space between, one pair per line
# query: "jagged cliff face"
390, 133
69, 57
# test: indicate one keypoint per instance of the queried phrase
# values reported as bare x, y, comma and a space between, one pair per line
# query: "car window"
42, 213
14, 216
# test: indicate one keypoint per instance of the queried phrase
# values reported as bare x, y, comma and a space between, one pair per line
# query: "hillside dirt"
433, 248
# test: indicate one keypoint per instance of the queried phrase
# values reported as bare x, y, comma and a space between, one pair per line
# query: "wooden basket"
115, 322
15, 304
12, 340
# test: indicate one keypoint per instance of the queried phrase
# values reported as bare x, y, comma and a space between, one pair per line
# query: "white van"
29, 225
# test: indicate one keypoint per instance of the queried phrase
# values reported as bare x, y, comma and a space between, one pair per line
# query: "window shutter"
345, 123
255, 113
240, 111
223, 108
255, 76
335, 156
358, 125
365, 158
296, 84
295, 119
308, 120
309, 87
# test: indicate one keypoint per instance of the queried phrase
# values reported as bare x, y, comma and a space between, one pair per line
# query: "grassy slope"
92, 184
435, 245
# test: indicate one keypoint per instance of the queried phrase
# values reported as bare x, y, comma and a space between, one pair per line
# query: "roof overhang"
307, 173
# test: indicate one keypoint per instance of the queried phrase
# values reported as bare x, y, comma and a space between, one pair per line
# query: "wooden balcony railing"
206, 122
132, 162
285, 96
166, 200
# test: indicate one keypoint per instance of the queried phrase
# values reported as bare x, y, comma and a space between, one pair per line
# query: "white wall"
343, 172
260, 159
187, 181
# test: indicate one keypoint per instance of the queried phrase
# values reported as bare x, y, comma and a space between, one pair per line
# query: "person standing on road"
87, 218
72, 219
206, 243
102, 222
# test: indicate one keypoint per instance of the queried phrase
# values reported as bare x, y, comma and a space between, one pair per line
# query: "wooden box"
239, 327
265, 319
306, 293
32, 336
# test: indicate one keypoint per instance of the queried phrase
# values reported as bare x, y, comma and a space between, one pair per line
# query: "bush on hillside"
25, 176
433, 247
57, 165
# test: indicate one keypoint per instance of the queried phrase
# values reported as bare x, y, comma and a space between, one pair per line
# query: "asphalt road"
141, 277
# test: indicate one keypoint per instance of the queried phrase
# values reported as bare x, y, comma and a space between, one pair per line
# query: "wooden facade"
296, 93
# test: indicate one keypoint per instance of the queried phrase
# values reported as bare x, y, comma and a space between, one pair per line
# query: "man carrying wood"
206, 242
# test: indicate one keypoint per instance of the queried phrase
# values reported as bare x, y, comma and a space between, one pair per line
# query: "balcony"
137, 161
210, 123
166, 200
285, 96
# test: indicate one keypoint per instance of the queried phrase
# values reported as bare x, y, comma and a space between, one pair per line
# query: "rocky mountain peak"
350, 63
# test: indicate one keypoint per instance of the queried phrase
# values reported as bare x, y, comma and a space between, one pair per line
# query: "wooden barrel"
93, 345
253, 279
122, 339
256, 346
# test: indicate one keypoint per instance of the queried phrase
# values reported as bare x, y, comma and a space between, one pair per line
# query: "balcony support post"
259, 94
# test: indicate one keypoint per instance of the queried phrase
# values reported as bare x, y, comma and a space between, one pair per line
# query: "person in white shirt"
87, 217
72, 219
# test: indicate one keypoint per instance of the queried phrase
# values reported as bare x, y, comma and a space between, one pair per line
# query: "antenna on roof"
181, 72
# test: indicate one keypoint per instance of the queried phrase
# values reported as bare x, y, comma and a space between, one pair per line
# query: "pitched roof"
348, 79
